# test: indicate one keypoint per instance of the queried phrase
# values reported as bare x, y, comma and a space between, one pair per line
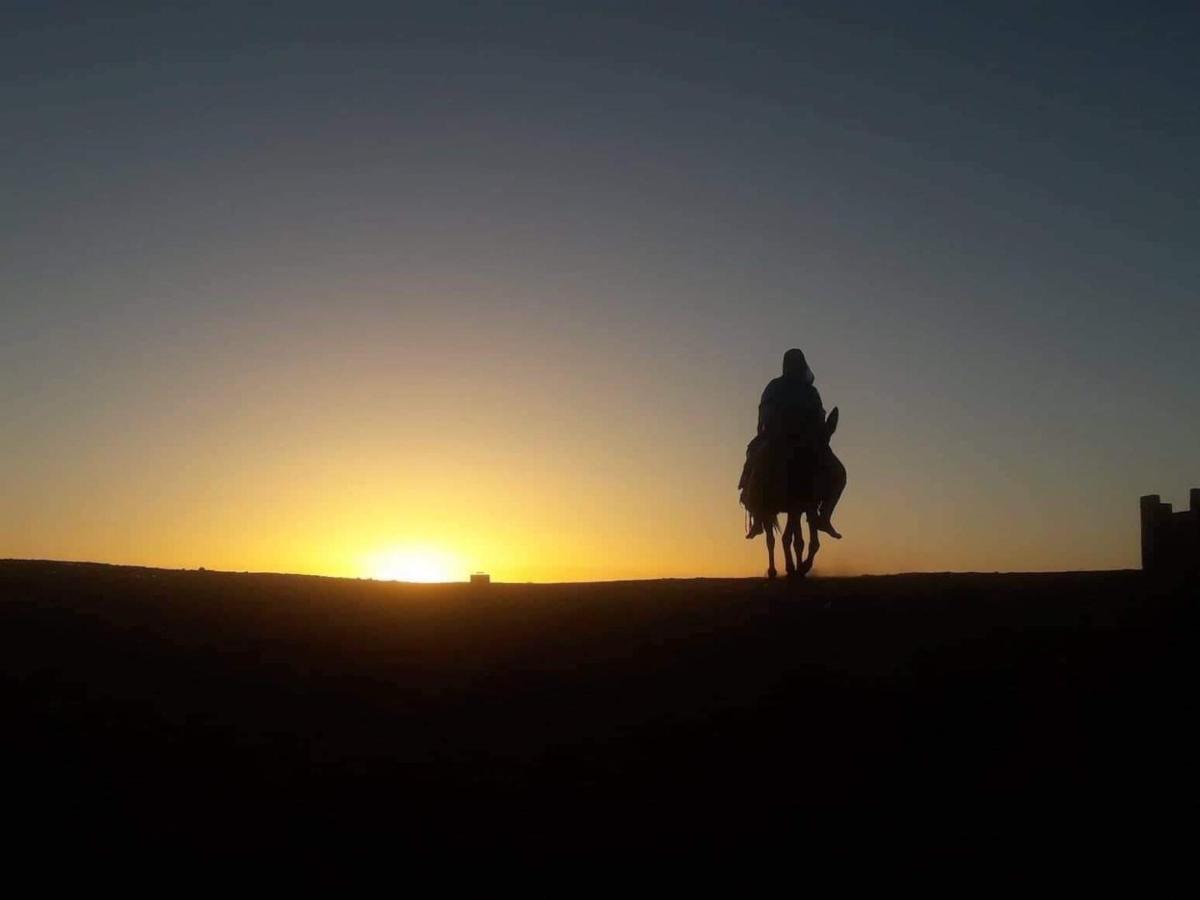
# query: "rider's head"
794, 362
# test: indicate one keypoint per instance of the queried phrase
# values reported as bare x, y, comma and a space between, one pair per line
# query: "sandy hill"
266, 717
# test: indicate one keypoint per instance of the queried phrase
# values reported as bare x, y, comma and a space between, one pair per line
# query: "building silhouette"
1170, 540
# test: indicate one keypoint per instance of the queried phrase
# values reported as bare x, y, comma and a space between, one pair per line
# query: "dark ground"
263, 718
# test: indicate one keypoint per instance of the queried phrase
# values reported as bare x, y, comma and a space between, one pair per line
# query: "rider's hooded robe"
791, 435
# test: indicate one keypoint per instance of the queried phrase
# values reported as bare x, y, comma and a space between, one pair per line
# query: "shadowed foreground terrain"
269, 717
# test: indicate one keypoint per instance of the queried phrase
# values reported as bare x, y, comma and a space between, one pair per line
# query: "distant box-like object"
480, 578
1170, 540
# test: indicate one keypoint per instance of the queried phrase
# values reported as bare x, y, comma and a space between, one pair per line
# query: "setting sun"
419, 564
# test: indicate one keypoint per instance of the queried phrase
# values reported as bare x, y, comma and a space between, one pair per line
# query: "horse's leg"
769, 530
814, 538
797, 538
789, 533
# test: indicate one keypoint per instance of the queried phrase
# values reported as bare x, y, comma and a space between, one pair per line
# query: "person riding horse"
791, 450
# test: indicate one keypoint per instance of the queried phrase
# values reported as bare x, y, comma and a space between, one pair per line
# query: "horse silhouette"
807, 485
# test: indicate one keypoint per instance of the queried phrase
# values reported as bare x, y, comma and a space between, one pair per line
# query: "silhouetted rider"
791, 420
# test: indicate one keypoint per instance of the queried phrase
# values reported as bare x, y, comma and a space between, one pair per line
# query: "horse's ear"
831, 422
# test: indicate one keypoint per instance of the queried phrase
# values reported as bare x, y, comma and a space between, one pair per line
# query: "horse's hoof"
798, 574
771, 573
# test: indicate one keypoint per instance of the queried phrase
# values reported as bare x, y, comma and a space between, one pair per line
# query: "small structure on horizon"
481, 578
1170, 540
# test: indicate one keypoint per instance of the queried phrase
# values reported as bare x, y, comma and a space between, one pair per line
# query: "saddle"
782, 475
785, 471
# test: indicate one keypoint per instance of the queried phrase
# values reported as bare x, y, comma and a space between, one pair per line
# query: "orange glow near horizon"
562, 461
623, 492
426, 565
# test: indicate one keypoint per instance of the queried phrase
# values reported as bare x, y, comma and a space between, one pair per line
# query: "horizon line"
467, 583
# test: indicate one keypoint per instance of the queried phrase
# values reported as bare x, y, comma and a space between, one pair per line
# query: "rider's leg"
755, 478
833, 478
748, 465
754, 498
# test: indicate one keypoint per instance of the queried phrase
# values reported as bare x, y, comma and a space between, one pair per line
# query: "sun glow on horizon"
426, 565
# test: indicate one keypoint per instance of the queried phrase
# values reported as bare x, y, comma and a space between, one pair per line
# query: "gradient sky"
303, 287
